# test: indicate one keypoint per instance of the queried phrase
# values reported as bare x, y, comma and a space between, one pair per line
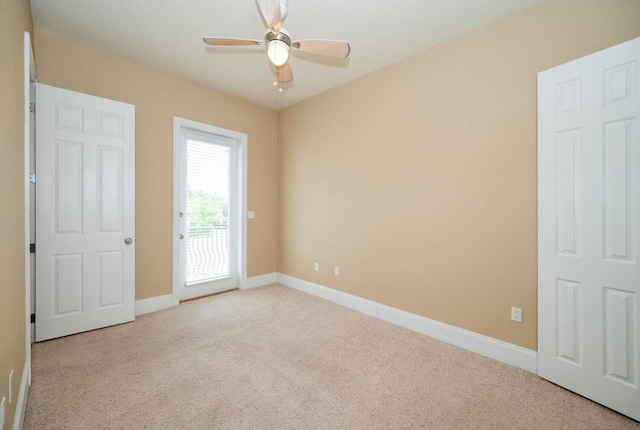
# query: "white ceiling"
167, 34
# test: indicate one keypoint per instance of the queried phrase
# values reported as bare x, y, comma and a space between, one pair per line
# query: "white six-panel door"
589, 227
84, 212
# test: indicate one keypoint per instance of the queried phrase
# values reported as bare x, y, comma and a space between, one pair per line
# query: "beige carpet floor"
275, 358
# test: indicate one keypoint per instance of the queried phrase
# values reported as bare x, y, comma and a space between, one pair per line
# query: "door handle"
181, 236
128, 241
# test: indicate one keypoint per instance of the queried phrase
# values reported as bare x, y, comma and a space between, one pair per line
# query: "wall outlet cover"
516, 314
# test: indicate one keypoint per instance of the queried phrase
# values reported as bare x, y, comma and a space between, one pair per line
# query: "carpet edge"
496, 349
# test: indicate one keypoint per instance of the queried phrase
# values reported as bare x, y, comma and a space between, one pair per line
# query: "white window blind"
208, 204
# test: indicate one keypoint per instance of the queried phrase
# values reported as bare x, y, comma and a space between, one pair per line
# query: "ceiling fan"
278, 41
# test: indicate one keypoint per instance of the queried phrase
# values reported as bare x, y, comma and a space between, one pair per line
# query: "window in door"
208, 200
209, 222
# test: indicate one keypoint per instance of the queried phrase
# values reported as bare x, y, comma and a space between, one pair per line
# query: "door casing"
179, 126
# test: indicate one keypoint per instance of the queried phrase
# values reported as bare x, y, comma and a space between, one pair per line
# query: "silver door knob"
128, 241
181, 236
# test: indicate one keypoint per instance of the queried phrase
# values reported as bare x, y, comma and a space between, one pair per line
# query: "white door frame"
29, 78
178, 125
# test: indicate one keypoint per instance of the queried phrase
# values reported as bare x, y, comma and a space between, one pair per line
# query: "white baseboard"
21, 405
484, 345
260, 281
153, 304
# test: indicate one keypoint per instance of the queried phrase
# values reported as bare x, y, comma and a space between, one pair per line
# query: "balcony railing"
207, 253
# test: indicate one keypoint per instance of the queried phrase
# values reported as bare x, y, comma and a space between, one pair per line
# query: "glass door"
208, 205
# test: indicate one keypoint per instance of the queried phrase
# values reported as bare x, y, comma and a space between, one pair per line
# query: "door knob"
181, 236
128, 241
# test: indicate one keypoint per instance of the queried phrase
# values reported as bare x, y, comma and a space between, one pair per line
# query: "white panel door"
589, 226
84, 212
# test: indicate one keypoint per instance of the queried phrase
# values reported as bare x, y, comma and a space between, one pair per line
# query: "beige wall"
15, 19
159, 97
419, 180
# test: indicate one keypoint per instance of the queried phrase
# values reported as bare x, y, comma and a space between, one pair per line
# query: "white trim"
158, 303
484, 345
27, 199
175, 293
241, 216
243, 183
260, 281
21, 405
29, 77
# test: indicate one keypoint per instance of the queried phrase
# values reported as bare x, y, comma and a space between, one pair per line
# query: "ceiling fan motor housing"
282, 35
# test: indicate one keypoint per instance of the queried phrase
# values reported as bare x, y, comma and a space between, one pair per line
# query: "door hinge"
32, 107
32, 248
33, 318
32, 178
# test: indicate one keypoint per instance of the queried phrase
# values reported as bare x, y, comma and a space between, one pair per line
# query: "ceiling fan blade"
284, 73
329, 48
227, 41
270, 10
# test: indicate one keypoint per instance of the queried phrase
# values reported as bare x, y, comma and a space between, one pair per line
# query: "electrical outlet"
516, 314
336, 271
316, 266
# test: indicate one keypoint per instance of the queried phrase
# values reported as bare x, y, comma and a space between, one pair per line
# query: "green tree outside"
204, 211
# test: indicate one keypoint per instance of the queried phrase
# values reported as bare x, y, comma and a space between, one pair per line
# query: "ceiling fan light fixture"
278, 52
278, 41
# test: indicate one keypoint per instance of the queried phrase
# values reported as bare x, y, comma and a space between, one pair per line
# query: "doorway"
209, 201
